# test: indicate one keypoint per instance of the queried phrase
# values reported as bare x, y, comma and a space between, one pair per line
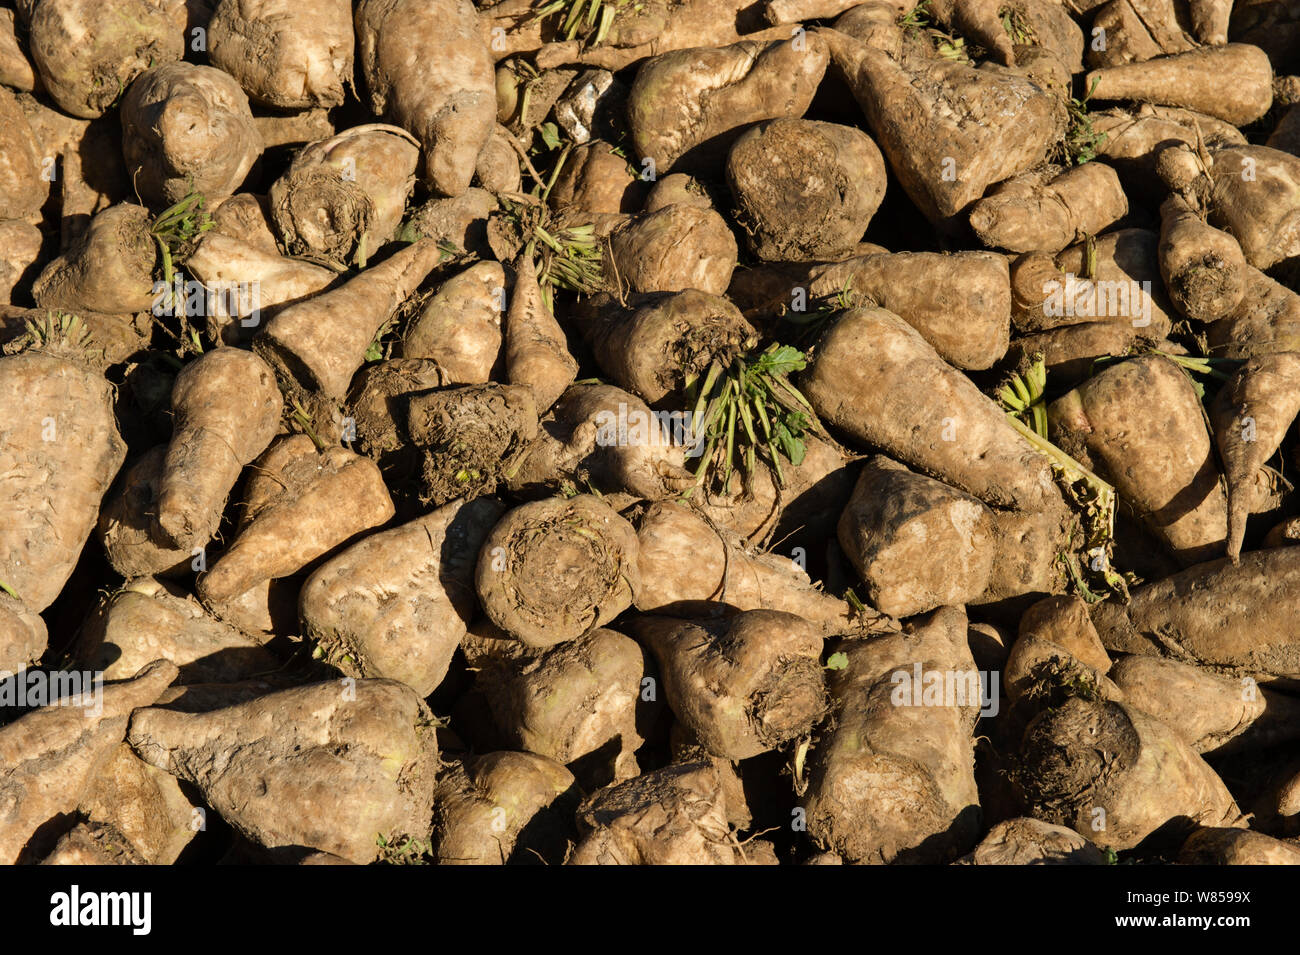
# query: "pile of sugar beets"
671, 431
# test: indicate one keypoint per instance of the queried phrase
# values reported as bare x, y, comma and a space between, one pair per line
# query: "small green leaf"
783, 360
837, 661
795, 450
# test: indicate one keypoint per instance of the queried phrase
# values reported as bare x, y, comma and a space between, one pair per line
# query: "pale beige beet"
917, 543
284, 54
428, 69
723, 575
87, 53
1038, 213
249, 283
1150, 779
1234, 617
505, 808
1226, 846
397, 603
804, 189
874, 377
108, 268
1214, 713
187, 128
319, 344
23, 635
553, 570
687, 107
671, 816
146, 805
22, 188
940, 122
584, 698
1179, 80
50, 755
536, 352
894, 780
460, 326
675, 248
226, 408
331, 766
608, 436
310, 503
59, 454
960, 303
148, 620
743, 685
1027, 841
1164, 466
652, 343
1257, 199
342, 199
126, 521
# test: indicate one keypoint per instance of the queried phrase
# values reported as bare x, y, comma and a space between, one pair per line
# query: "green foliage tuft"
1081, 140
749, 409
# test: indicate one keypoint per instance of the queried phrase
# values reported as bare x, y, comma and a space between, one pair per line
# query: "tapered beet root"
58, 456
213, 439
351, 605
332, 766
50, 755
